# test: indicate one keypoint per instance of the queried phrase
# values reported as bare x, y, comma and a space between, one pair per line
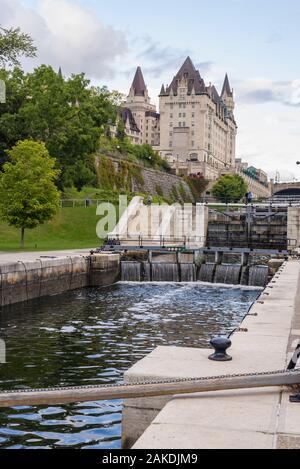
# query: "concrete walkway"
260, 418
8, 257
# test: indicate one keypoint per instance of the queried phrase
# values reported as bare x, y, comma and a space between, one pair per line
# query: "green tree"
13, 45
230, 188
28, 194
120, 134
67, 114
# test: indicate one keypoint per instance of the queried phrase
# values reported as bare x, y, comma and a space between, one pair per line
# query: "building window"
170, 144
171, 124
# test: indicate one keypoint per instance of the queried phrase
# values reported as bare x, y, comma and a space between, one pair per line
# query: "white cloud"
67, 35
258, 91
70, 35
269, 138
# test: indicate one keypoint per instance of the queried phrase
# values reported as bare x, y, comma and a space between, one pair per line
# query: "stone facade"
139, 115
197, 126
256, 179
195, 130
258, 189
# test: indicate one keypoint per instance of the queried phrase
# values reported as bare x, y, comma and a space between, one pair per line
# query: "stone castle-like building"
139, 115
195, 129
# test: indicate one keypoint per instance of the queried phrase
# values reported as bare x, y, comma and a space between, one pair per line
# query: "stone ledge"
228, 419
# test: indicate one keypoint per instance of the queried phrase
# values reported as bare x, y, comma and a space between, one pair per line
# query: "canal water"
92, 336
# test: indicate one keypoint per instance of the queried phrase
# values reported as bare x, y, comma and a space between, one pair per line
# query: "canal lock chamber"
187, 268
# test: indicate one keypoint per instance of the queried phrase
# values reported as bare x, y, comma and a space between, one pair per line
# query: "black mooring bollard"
220, 344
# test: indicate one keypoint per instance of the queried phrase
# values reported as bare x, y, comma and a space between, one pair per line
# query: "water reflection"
92, 336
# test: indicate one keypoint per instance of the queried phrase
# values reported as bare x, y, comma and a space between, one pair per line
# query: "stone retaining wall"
154, 181
159, 183
22, 281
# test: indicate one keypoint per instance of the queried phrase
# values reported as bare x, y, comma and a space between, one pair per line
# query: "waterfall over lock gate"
131, 271
146, 271
165, 272
228, 274
258, 275
188, 272
206, 273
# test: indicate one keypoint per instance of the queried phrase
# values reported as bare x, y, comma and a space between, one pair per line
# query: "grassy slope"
70, 229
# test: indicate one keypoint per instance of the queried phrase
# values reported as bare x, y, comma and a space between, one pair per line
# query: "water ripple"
92, 336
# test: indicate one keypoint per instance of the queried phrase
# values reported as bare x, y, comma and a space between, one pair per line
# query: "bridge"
286, 189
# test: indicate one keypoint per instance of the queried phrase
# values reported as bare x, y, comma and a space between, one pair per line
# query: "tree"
28, 194
66, 114
13, 45
230, 188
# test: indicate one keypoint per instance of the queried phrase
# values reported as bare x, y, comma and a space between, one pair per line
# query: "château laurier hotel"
195, 129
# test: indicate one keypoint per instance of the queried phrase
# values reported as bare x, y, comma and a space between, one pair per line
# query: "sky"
256, 43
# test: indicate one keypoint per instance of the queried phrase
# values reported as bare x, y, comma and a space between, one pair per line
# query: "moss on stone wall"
174, 193
159, 190
182, 192
120, 176
125, 176
197, 186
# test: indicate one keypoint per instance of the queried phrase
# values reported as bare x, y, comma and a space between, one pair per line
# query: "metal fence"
72, 203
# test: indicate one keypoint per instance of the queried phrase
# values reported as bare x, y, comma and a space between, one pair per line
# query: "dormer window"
182, 93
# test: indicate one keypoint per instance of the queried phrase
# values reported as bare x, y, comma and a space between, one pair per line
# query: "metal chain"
143, 383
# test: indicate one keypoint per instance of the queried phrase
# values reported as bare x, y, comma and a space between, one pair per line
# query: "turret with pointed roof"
226, 90
140, 113
138, 85
227, 96
162, 91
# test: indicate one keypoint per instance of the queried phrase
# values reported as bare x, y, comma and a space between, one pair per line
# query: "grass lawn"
71, 228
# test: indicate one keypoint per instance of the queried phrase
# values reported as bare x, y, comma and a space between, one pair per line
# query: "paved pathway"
7, 257
259, 418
